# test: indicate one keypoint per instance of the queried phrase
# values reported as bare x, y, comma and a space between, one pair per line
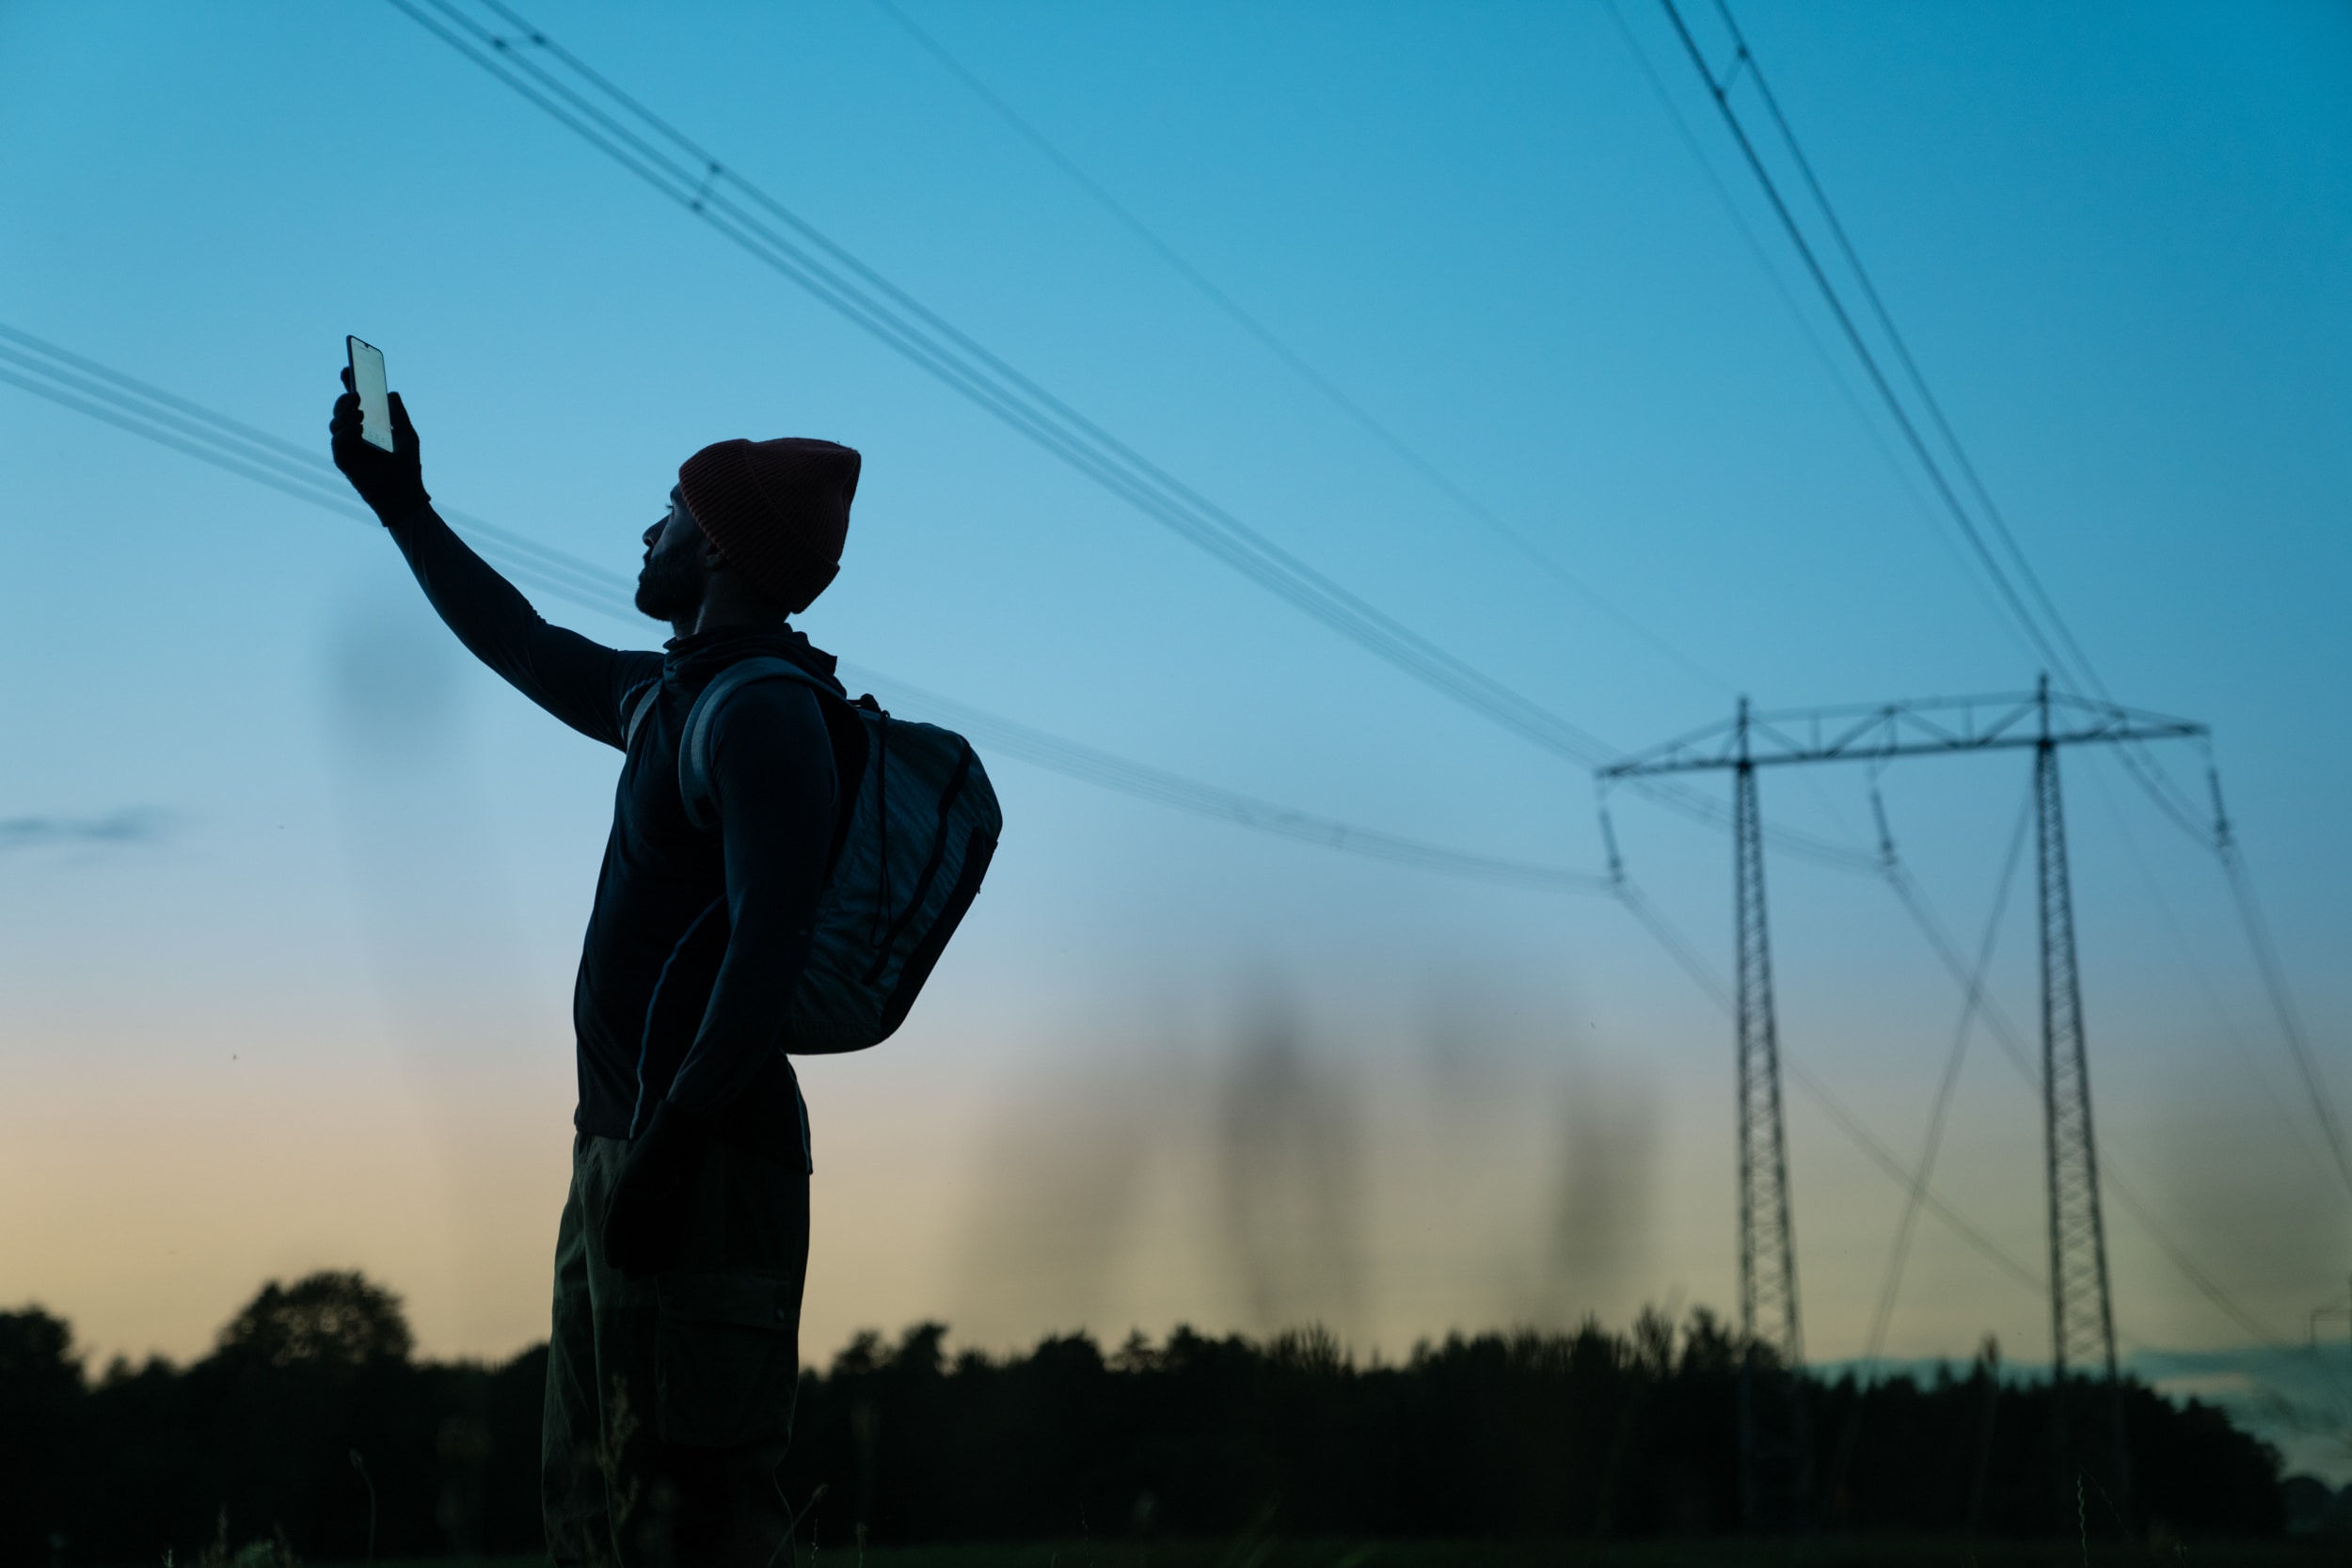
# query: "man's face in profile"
670, 584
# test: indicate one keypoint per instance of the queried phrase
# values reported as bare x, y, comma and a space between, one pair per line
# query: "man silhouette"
683, 1247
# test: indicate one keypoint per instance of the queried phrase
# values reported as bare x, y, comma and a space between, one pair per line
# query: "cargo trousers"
669, 1400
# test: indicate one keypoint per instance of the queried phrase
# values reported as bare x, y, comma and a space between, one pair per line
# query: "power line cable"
2052, 645
1804, 323
2006, 1033
1869, 427
1899, 1255
1971, 1004
1906, 1177
1902, 350
1090, 765
88, 388
1295, 362
894, 316
93, 390
1224, 302
2049, 648
2148, 771
1702, 975
858, 293
2274, 978
2186, 951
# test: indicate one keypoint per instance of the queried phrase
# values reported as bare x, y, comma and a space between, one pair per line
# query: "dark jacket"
698, 935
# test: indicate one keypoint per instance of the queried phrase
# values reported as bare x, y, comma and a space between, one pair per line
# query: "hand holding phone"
374, 443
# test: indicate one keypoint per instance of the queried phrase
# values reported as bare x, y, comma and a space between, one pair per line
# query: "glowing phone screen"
375, 404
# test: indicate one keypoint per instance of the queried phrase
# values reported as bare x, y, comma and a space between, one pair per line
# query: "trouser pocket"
727, 1357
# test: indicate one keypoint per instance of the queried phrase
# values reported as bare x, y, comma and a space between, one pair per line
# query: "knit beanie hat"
777, 510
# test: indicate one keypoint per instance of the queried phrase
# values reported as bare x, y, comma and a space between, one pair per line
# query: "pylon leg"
1775, 1438
2082, 1316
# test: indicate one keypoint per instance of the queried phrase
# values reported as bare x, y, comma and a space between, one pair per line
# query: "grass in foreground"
1819, 1552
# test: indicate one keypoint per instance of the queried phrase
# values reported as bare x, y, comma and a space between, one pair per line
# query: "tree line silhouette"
312, 1396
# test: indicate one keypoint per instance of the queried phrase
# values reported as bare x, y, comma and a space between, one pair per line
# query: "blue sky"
315, 1016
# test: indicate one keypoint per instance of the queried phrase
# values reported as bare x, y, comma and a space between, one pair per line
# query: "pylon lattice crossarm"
1934, 726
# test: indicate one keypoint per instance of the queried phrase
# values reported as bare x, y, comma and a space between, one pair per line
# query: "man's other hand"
644, 1228
391, 483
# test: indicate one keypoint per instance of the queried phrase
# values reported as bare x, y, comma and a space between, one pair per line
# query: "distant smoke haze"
1291, 1180
1285, 1160
1602, 1199
2256, 1204
421, 845
393, 685
1056, 1207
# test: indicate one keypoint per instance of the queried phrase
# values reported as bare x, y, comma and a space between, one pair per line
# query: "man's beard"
666, 588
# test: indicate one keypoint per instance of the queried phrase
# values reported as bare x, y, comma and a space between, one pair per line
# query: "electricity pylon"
1775, 1456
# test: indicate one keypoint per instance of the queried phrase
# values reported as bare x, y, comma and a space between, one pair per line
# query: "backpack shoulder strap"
693, 751
639, 703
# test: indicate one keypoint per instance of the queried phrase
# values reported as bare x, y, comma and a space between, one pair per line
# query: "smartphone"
375, 403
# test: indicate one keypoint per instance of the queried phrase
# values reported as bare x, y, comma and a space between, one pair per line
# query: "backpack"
908, 853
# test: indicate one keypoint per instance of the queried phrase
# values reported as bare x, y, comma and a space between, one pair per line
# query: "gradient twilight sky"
307, 1006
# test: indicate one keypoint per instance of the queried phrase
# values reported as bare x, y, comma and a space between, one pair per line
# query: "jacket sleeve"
582, 683
771, 771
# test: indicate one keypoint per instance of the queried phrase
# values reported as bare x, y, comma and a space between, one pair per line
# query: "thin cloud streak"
141, 825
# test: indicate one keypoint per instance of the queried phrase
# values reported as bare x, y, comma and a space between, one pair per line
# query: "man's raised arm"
581, 682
